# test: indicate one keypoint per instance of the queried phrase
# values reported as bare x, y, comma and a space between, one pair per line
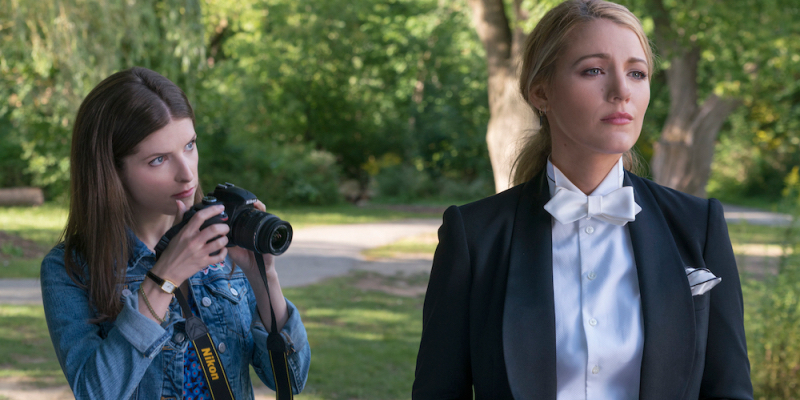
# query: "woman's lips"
184, 194
618, 118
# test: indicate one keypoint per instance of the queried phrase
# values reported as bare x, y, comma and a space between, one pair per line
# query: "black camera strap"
197, 331
214, 372
276, 345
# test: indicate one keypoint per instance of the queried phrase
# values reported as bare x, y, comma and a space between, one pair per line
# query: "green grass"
41, 224
301, 217
742, 232
20, 268
363, 342
25, 346
422, 245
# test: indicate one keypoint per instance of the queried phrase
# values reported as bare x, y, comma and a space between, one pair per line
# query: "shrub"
279, 174
773, 341
404, 183
774, 317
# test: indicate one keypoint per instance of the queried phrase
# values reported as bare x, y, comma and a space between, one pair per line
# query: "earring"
542, 113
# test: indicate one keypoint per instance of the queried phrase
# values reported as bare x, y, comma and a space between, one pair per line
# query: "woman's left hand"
245, 259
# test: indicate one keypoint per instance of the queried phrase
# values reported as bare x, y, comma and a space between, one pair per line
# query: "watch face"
168, 286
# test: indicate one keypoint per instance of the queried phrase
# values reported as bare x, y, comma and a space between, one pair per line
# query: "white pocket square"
701, 280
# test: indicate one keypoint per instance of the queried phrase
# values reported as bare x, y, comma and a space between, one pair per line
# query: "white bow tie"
617, 207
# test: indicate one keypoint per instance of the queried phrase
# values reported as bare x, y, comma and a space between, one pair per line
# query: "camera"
255, 230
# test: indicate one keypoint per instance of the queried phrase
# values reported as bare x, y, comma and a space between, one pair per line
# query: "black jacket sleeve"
727, 368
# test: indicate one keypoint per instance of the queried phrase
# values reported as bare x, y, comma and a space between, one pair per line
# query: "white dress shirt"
599, 331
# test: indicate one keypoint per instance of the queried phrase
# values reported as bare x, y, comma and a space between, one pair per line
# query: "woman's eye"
593, 71
190, 145
639, 75
157, 160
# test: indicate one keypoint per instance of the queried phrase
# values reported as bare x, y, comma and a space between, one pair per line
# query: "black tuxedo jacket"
489, 319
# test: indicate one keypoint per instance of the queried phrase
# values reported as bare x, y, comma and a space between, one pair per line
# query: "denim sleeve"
299, 353
96, 367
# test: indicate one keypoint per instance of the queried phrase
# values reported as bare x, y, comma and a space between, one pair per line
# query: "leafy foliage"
360, 89
353, 81
774, 346
749, 50
54, 53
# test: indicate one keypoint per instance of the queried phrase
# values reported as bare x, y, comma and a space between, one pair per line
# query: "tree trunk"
510, 122
682, 156
21, 196
510, 117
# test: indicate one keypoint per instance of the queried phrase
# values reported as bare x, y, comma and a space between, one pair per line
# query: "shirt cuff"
143, 333
293, 332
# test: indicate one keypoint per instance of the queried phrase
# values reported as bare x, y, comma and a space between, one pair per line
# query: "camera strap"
214, 372
275, 345
197, 331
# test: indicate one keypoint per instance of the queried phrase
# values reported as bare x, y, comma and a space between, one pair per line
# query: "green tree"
724, 54
53, 53
372, 83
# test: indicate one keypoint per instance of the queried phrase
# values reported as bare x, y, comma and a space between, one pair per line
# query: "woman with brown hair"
584, 281
108, 299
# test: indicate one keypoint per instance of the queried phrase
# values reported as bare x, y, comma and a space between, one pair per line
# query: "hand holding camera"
193, 247
247, 227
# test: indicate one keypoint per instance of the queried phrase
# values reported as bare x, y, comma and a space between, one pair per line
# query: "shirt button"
590, 230
206, 301
234, 292
126, 292
179, 337
592, 275
222, 347
596, 369
592, 322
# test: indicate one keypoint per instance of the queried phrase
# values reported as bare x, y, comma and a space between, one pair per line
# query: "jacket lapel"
529, 333
667, 306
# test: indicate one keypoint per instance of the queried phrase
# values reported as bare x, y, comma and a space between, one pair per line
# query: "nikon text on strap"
214, 373
213, 370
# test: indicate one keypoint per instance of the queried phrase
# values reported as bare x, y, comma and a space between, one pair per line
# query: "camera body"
255, 230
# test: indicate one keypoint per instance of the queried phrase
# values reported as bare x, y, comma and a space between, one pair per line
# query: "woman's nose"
618, 90
185, 171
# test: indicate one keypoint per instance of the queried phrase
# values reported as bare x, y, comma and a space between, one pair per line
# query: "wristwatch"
165, 284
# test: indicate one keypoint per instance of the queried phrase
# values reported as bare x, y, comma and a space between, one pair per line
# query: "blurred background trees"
390, 99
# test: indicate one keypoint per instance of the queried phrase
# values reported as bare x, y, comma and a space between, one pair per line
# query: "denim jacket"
134, 357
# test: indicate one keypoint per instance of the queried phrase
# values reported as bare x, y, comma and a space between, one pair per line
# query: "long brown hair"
113, 119
542, 49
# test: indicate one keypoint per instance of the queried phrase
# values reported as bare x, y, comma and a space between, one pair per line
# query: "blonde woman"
584, 281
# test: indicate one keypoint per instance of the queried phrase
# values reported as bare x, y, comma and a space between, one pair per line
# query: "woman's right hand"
189, 251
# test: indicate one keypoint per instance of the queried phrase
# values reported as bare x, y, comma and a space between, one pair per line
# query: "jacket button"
234, 292
126, 292
206, 302
179, 337
222, 347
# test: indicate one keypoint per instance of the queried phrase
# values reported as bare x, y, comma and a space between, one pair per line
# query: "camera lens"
261, 232
279, 237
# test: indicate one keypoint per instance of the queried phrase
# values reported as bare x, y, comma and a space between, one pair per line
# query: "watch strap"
161, 282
